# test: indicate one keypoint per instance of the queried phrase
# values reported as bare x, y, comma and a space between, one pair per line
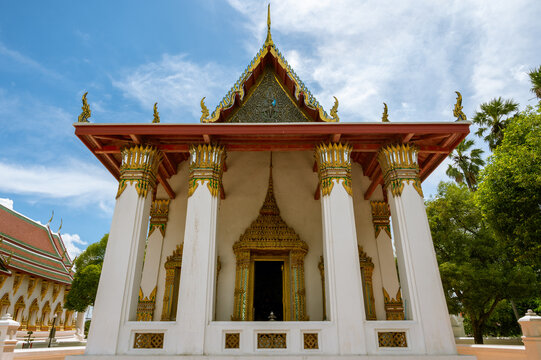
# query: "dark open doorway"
268, 287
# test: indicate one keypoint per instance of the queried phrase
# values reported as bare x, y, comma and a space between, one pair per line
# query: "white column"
116, 300
419, 275
197, 278
387, 266
344, 301
159, 212
80, 326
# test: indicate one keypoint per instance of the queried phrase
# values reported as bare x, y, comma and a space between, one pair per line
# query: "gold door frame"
286, 296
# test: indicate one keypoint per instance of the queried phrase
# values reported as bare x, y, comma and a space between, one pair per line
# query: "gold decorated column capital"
380, 217
399, 165
206, 165
333, 163
159, 214
140, 165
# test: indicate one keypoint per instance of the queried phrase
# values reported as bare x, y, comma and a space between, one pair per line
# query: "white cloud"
73, 244
176, 83
7, 203
27, 61
78, 183
414, 52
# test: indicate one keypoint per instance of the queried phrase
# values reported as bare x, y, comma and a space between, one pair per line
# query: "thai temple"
265, 230
35, 277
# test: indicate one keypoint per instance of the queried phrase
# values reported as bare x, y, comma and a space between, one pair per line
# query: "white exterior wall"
245, 184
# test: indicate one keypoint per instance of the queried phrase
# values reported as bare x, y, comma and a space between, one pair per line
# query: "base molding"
272, 356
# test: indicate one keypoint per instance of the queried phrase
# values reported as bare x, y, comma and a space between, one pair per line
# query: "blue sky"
129, 54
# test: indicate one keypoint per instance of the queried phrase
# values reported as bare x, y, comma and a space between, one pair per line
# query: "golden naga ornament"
334, 110
334, 163
85, 115
385, 116
457, 112
399, 166
204, 110
206, 165
156, 114
140, 165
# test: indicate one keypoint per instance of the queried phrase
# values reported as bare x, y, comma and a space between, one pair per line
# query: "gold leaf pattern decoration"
399, 165
140, 165
206, 165
380, 217
334, 164
394, 308
159, 214
145, 305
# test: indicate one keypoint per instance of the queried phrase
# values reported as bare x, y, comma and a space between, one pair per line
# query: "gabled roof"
33, 248
269, 56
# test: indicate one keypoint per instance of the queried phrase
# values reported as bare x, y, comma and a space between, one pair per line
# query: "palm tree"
465, 167
491, 117
535, 78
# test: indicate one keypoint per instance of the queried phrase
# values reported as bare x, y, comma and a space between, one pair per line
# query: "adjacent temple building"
265, 230
35, 276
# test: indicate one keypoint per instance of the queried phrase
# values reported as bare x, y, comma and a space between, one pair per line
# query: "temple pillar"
419, 275
394, 309
159, 212
344, 302
116, 300
197, 279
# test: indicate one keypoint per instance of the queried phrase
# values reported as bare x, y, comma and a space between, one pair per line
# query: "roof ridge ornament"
385, 116
85, 114
457, 112
156, 114
268, 41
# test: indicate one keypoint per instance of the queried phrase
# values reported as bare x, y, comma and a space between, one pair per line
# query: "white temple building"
265, 230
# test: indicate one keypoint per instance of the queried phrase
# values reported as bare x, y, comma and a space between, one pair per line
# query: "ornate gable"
255, 88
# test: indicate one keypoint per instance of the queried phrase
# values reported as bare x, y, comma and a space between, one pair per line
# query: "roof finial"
268, 41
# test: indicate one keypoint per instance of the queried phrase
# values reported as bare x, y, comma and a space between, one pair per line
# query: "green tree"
87, 276
494, 116
535, 78
466, 164
510, 191
476, 273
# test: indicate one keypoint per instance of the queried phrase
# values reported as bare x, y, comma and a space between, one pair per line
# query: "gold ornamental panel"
232, 340
310, 341
394, 308
206, 165
271, 340
380, 217
148, 341
392, 339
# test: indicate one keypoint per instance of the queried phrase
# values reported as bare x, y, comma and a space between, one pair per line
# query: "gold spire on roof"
268, 41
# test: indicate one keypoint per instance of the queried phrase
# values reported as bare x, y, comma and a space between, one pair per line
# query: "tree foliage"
87, 276
466, 164
535, 79
510, 192
475, 270
494, 116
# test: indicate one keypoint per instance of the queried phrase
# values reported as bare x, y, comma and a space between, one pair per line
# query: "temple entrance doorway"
269, 290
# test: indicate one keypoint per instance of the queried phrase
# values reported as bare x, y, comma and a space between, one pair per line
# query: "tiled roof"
33, 248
